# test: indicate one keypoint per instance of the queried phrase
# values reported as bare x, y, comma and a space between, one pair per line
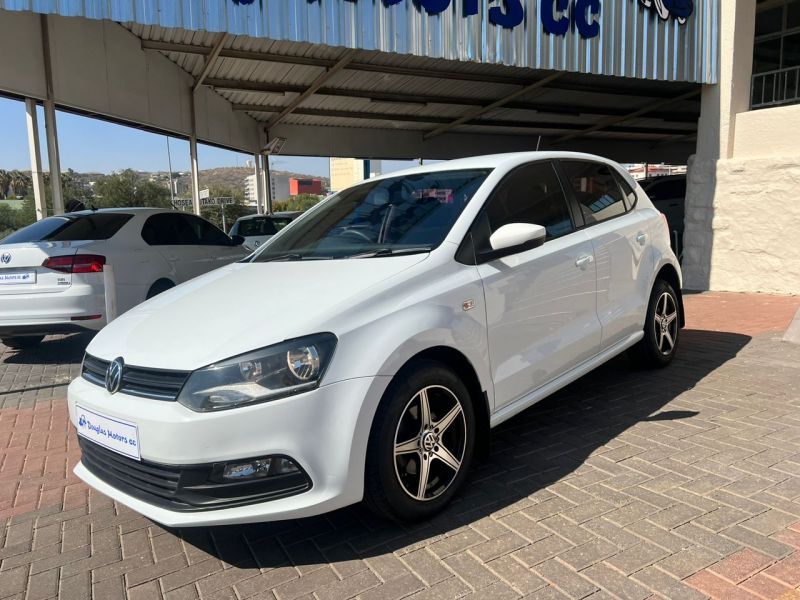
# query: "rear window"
99, 226
262, 226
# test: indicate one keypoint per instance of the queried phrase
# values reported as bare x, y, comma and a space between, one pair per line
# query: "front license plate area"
112, 433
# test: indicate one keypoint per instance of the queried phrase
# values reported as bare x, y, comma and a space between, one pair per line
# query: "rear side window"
168, 229
669, 189
595, 189
98, 226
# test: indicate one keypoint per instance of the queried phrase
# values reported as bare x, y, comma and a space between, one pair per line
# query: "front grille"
158, 384
127, 474
184, 488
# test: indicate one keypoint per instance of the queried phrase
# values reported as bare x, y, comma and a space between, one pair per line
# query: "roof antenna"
538, 143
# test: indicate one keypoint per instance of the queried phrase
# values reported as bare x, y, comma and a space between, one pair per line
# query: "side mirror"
237, 240
517, 236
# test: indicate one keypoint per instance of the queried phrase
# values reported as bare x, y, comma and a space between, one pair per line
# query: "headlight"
277, 371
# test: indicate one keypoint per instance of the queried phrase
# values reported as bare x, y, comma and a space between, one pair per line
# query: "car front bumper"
324, 431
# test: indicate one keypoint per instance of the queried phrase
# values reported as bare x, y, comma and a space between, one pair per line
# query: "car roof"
285, 213
132, 209
494, 161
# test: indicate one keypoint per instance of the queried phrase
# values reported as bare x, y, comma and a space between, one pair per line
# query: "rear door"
619, 236
540, 303
171, 234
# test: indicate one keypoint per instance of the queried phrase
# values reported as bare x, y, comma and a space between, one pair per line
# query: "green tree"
232, 211
19, 183
301, 202
5, 181
128, 188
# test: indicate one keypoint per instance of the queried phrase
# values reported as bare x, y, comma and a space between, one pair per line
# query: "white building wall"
279, 185
742, 211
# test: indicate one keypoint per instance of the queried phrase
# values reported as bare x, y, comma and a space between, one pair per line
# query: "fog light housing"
257, 468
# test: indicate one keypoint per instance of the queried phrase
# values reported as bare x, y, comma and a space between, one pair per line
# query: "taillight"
78, 263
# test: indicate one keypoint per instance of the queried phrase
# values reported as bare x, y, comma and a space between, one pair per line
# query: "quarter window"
595, 189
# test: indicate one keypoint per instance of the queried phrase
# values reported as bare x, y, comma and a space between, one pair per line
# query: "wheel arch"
670, 274
461, 365
160, 280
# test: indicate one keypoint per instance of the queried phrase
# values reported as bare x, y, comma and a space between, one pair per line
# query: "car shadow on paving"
548, 443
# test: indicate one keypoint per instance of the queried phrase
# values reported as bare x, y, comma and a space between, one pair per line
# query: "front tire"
23, 343
661, 329
421, 444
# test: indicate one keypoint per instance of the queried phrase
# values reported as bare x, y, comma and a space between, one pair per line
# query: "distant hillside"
233, 177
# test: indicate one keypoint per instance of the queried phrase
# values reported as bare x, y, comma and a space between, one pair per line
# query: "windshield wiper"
392, 252
294, 256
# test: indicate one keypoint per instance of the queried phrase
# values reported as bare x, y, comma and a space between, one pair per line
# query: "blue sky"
98, 146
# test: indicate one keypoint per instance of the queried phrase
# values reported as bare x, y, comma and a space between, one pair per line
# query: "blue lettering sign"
553, 25
509, 18
558, 17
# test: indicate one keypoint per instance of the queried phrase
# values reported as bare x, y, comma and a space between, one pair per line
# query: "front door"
540, 303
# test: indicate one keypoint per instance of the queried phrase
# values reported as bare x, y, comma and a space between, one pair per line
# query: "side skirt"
582, 369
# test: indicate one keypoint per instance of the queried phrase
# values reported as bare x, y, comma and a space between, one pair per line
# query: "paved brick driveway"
682, 483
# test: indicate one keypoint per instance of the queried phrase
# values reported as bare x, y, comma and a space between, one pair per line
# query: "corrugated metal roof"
632, 42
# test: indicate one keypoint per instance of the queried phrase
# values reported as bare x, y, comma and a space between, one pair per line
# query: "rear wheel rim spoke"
665, 323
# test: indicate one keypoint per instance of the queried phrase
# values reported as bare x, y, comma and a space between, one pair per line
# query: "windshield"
98, 226
405, 214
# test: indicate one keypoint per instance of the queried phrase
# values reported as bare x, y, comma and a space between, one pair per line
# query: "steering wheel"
360, 235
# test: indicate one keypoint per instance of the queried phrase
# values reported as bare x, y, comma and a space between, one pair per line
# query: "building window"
776, 55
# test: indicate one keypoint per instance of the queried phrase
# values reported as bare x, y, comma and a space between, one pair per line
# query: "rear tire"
409, 442
162, 285
661, 329
23, 343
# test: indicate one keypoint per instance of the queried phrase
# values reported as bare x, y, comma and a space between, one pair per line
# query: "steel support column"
259, 176
37, 179
53, 158
267, 183
193, 161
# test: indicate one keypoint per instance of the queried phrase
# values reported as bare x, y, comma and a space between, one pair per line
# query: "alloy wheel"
666, 323
429, 443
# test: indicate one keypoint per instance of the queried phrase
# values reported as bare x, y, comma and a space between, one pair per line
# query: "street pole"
171, 185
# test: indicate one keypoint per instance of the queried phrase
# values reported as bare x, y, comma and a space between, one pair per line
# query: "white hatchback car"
78, 271
404, 317
257, 229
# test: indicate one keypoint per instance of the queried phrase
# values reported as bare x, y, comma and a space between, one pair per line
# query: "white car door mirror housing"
517, 236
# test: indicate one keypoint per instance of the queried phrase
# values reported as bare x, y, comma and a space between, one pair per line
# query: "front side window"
595, 189
529, 194
396, 215
206, 233
72, 228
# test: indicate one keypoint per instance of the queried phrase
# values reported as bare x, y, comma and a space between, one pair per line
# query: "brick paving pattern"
681, 483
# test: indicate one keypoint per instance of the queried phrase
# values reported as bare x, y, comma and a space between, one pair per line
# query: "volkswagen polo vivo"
402, 319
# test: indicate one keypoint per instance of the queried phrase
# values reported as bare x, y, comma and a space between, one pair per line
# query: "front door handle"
641, 238
584, 261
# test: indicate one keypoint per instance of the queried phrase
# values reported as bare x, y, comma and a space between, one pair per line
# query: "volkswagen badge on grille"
114, 375
5, 258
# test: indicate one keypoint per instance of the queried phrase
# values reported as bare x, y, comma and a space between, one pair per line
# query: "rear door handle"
584, 261
641, 238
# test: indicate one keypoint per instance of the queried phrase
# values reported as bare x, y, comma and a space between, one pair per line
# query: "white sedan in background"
78, 271
257, 229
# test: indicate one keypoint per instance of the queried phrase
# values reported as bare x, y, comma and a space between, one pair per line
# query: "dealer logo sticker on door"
117, 435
